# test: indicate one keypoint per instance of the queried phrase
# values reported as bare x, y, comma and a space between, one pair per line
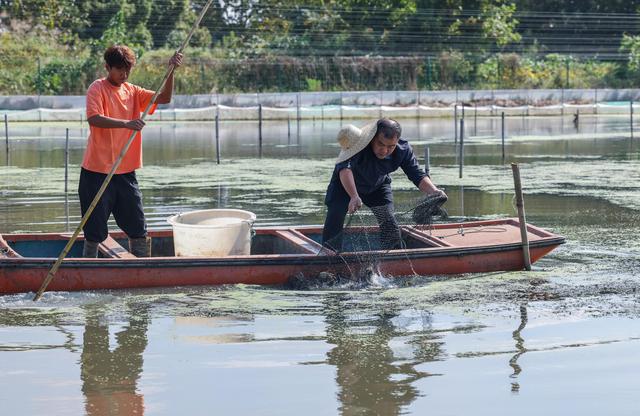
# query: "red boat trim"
274, 260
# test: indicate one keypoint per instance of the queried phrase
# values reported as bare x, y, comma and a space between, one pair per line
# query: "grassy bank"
39, 65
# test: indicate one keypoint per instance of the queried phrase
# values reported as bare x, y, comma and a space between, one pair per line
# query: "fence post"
428, 72
39, 79
203, 87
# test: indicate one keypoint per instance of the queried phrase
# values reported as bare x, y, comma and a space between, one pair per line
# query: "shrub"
455, 69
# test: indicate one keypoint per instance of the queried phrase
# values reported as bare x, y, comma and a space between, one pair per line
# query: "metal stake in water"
66, 163
6, 135
217, 138
461, 157
427, 162
475, 119
455, 123
260, 128
631, 117
502, 117
66, 179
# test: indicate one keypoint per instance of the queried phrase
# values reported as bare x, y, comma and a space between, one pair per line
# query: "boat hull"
26, 274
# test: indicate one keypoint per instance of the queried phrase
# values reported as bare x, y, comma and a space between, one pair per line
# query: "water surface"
561, 339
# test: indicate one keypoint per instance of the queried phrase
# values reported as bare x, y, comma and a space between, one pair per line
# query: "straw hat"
353, 139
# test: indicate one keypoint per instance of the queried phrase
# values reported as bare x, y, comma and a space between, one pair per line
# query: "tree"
631, 46
498, 22
64, 15
164, 18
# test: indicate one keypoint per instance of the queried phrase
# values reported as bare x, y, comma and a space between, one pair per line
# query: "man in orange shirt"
114, 107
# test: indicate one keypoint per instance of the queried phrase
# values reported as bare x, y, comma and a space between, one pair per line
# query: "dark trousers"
379, 201
122, 198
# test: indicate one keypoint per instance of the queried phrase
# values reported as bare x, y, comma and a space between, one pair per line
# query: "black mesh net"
370, 233
380, 228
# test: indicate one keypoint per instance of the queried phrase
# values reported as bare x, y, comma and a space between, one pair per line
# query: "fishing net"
429, 208
372, 232
380, 228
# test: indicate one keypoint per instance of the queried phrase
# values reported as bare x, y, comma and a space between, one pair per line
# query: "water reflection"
517, 337
109, 377
371, 379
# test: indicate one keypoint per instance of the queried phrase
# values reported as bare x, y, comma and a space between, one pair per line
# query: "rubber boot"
90, 249
140, 247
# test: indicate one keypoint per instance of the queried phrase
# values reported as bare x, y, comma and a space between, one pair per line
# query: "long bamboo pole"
123, 152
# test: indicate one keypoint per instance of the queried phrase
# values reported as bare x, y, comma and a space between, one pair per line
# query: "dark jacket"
370, 173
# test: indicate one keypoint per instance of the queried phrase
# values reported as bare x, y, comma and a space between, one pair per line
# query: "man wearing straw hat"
113, 111
361, 176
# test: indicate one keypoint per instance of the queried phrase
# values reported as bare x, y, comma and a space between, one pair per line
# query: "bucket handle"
250, 222
251, 229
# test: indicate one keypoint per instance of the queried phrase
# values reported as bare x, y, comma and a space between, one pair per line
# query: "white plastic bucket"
212, 232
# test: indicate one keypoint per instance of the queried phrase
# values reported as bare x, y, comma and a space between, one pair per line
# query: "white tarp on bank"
336, 105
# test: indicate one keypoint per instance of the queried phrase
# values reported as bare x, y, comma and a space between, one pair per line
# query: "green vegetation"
55, 46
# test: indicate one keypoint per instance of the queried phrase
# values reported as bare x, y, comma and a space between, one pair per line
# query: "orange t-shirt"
126, 102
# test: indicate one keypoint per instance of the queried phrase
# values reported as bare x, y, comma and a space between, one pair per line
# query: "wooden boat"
277, 254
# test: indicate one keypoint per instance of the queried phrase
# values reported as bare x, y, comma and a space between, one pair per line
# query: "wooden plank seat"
300, 240
112, 249
6, 251
422, 236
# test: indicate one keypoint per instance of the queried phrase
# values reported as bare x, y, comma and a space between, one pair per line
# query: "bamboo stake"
521, 216
87, 214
